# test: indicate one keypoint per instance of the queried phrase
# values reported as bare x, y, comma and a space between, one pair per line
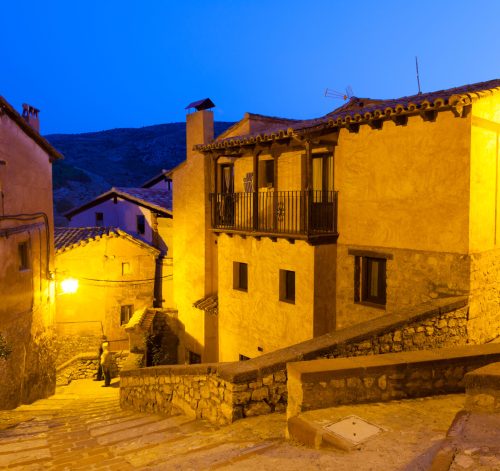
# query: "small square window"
370, 280
126, 313
126, 268
194, 358
287, 286
240, 276
141, 224
99, 219
24, 256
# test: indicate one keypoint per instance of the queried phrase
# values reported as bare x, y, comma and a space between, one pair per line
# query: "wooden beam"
400, 119
429, 115
353, 127
255, 212
376, 124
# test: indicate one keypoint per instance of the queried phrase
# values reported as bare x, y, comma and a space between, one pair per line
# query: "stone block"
280, 377
260, 394
257, 408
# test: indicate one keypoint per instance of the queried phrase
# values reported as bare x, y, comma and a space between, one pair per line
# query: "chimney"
199, 125
30, 115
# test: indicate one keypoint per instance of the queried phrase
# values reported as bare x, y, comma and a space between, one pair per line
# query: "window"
244, 357
126, 313
240, 276
287, 286
194, 358
126, 268
24, 256
266, 173
99, 219
370, 280
141, 224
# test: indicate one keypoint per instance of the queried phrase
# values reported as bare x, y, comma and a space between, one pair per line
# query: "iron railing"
276, 212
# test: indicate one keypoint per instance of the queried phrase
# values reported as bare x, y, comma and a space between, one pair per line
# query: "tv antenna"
329, 93
418, 78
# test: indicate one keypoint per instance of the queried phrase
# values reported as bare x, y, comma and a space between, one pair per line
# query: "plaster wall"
404, 191
27, 302
95, 308
398, 185
195, 246
257, 318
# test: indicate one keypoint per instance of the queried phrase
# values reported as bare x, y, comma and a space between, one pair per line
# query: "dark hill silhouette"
96, 161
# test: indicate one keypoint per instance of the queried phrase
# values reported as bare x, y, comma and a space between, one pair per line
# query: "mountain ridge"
96, 161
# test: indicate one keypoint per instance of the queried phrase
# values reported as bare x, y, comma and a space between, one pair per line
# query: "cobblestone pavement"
83, 427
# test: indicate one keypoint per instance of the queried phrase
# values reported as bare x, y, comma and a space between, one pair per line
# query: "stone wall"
67, 345
327, 383
484, 324
84, 366
224, 392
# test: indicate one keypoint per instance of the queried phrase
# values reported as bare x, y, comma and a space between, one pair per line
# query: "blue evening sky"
92, 65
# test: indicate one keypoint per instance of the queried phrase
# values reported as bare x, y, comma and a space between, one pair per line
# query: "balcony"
309, 215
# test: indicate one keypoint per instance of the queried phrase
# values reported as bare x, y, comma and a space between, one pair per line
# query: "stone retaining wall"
84, 366
326, 383
225, 392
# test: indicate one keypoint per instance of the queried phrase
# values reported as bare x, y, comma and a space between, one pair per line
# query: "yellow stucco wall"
484, 311
195, 247
398, 185
257, 318
95, 308
404, 190
485, 174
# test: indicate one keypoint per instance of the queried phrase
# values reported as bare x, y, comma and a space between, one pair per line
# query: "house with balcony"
301, 227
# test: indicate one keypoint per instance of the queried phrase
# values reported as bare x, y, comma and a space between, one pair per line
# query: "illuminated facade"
302, 227
146, 214
104, 276
26, 257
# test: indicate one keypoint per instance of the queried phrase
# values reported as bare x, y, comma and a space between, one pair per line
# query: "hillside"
96, 161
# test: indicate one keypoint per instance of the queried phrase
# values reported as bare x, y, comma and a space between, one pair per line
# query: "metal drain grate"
354, 429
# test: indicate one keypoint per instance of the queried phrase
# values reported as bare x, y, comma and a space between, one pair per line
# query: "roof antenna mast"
418, 78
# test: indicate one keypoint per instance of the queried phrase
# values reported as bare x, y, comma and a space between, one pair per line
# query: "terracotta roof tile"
66, 238
363, 110
152, 198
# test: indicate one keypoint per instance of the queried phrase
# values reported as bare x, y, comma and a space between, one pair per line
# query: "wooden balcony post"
309, 192
256, 190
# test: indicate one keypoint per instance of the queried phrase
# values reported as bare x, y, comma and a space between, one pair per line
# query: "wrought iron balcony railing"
302, 213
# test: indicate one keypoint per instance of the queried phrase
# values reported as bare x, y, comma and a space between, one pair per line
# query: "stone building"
299, 227
115, 276
146, 214
26, 257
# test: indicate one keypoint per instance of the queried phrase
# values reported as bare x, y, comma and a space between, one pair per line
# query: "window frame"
126, 268
23, 250
287, 294
363, 277
130, 309
140, 226
240, 276
99, 219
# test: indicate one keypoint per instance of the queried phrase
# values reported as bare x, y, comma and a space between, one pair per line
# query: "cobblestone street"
83, 427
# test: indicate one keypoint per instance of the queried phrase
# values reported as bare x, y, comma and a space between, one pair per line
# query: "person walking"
99, 376
106, 361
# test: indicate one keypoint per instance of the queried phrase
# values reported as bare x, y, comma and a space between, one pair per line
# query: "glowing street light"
69, 286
